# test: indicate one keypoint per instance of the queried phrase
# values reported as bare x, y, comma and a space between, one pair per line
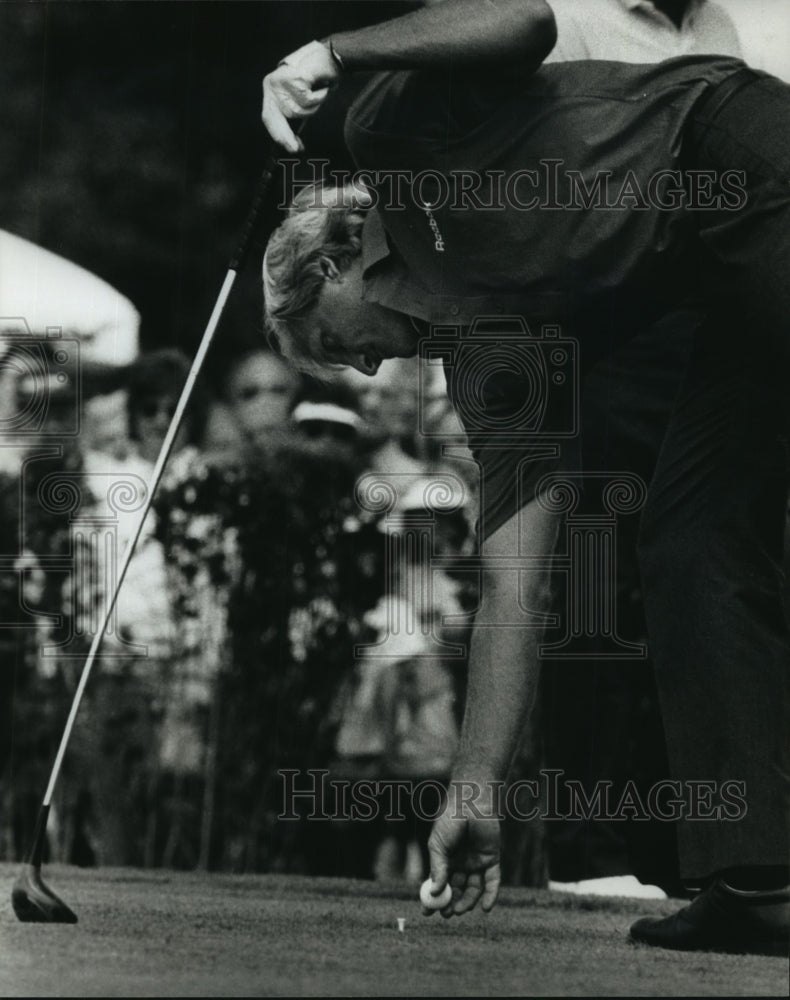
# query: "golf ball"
434, 902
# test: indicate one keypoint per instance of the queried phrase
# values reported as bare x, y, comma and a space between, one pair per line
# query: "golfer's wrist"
476, 796
337, 58
351, 53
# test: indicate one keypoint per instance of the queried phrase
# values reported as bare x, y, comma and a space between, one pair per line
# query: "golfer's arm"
503, 660
502, 685
502, 34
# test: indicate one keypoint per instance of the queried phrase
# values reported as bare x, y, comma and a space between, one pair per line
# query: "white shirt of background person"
638, 31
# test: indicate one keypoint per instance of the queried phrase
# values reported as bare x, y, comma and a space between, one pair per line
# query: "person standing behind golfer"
351, 292
641, 31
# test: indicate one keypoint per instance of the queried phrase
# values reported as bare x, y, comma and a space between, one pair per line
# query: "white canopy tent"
43, 293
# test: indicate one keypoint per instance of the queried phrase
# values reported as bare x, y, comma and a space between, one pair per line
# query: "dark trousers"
714, 406
711, 544
601, 721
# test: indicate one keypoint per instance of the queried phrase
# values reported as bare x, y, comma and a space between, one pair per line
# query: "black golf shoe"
723, 919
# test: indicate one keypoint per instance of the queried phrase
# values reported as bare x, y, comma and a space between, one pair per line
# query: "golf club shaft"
164, 454
236, 264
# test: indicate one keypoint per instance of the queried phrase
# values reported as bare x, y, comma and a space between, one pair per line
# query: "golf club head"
35, 902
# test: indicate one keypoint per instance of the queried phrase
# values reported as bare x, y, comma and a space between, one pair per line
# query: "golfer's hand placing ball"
297, 89
464, 852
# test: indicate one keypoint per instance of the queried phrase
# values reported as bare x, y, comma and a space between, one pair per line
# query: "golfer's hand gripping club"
296, 89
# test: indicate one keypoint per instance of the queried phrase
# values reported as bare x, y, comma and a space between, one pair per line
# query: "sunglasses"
316, 429
150, 408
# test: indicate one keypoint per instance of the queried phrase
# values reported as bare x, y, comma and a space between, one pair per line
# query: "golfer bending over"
601, 198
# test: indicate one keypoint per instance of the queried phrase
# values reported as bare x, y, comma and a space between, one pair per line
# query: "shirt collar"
374, 240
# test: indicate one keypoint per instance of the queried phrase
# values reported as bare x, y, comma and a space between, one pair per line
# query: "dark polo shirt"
557, 200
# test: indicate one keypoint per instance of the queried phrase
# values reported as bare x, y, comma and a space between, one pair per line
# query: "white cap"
328, 413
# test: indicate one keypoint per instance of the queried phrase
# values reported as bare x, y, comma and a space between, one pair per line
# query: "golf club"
32, 899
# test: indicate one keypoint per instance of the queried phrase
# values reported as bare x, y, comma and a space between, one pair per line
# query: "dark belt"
716, 97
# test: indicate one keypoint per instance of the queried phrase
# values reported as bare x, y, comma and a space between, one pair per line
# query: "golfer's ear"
330, 269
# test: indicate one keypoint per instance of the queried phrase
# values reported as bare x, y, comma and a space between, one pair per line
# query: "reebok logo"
438, 241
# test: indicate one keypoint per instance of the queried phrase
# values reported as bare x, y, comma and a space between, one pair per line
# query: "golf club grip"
239, 258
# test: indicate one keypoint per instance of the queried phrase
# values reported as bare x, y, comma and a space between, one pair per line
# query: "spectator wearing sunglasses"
156, 379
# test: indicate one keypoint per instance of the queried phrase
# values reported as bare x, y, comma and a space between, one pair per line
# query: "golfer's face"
344, 329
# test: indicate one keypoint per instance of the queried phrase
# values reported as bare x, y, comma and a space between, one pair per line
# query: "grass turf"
176, 934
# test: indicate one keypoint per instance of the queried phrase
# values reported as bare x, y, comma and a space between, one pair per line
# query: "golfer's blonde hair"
322, 228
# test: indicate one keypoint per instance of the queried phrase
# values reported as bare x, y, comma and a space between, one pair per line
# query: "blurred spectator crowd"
279, 612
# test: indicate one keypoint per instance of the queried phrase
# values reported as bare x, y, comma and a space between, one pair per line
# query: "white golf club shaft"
164, 454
